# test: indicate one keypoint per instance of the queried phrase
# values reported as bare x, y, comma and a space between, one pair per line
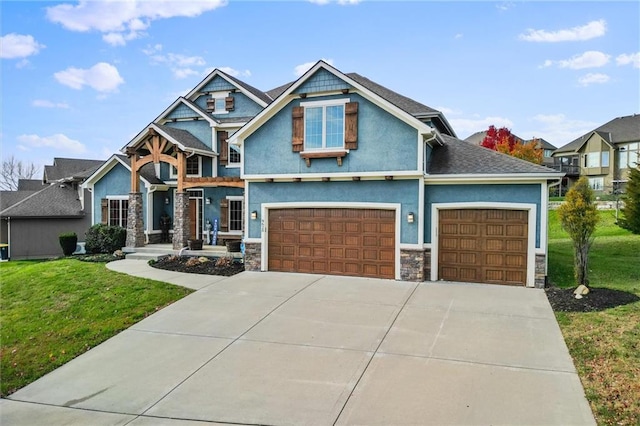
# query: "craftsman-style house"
329, 174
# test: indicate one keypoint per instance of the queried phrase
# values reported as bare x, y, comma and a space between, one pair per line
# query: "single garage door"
354, 242
485, 246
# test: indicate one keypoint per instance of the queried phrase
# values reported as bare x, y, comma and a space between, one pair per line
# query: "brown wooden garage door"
486, 246
333, 241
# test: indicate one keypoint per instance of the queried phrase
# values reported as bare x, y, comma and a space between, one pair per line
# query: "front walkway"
291, 349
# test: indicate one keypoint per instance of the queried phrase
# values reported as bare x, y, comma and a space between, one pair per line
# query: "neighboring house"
604, 155
39, 211
330, 174
547, 148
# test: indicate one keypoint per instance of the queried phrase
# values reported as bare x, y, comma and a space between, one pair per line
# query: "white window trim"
592, 155
234, 198
173, 175
602, 156
233, 165
600, 180
323, 105
115, 198
220, 95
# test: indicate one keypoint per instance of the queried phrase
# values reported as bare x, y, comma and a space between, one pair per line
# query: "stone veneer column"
181, 220
412, 265
135, 221
252, 256
541, 265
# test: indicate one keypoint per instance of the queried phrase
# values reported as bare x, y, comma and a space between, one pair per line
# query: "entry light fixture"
254, 215
207, 200
166, 200
410, 217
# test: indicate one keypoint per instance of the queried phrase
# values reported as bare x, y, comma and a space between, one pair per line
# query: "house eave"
491, 178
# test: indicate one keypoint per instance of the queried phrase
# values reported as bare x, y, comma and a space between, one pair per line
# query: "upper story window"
629, 155
547, 153
325, 128
592, 159
193, 166
605, 158
220, 103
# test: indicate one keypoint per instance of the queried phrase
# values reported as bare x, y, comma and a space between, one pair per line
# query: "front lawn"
53, 311
605, 345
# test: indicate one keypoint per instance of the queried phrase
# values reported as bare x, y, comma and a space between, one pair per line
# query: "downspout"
9, 238
434, 135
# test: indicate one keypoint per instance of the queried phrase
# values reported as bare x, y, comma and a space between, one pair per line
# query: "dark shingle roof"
256, 92
274, 93
184, 137
30, 184
621, 129
402, 102
148, 171
9, 198
57, 200
460, 157
69, 168
545, 145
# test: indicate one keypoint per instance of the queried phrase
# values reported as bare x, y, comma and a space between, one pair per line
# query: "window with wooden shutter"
228, 103
224, 215
104, 211
351, 125
297, 118
224, 147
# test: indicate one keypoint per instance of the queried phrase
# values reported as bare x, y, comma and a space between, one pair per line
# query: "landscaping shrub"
68, 242
105, 239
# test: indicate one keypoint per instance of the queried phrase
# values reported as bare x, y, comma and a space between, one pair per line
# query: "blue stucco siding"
200, 129
117, 182
385, 143
404, 192
322, 81
507, 193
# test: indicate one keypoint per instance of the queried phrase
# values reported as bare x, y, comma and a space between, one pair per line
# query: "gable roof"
458, 157
70, 168
184, 139
363, 90
618, 130
9, 198
257, 95
57, 200
195, 107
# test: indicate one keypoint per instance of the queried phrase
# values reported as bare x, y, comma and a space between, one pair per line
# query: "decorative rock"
203, 259
581, 290
578, 296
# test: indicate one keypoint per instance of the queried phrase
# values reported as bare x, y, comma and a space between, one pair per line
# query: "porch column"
135, 221
181, 220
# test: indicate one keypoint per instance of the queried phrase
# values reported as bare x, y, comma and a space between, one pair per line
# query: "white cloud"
121, 21
631, 58
458, 36
593, 78
585, 32
58, 141
468, 126
234, 72
589, 59
558, 129
18, 46
43, 103
182, 66
302, 68
446, 110
102, 77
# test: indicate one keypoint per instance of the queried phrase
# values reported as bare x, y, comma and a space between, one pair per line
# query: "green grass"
53, 311
605, 345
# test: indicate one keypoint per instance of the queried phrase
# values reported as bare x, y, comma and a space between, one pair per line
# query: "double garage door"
486, 246
358, 242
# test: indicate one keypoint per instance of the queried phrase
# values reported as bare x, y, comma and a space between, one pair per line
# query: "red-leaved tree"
502, 140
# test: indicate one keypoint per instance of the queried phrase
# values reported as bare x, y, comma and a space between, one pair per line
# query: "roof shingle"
57, 200
69, 168
618, 130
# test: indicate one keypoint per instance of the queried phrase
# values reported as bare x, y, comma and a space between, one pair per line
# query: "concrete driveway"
293, 349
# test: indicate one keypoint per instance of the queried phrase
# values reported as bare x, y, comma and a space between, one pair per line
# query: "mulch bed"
598, 299
184, 264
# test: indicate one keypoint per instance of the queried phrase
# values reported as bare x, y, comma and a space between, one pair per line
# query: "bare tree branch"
13, 170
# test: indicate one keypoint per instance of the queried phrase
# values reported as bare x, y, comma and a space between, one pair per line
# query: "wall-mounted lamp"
254, 215
410, 217
166, 200
207, 200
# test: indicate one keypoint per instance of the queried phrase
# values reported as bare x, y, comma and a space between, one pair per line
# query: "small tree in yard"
631, 208
579, 217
